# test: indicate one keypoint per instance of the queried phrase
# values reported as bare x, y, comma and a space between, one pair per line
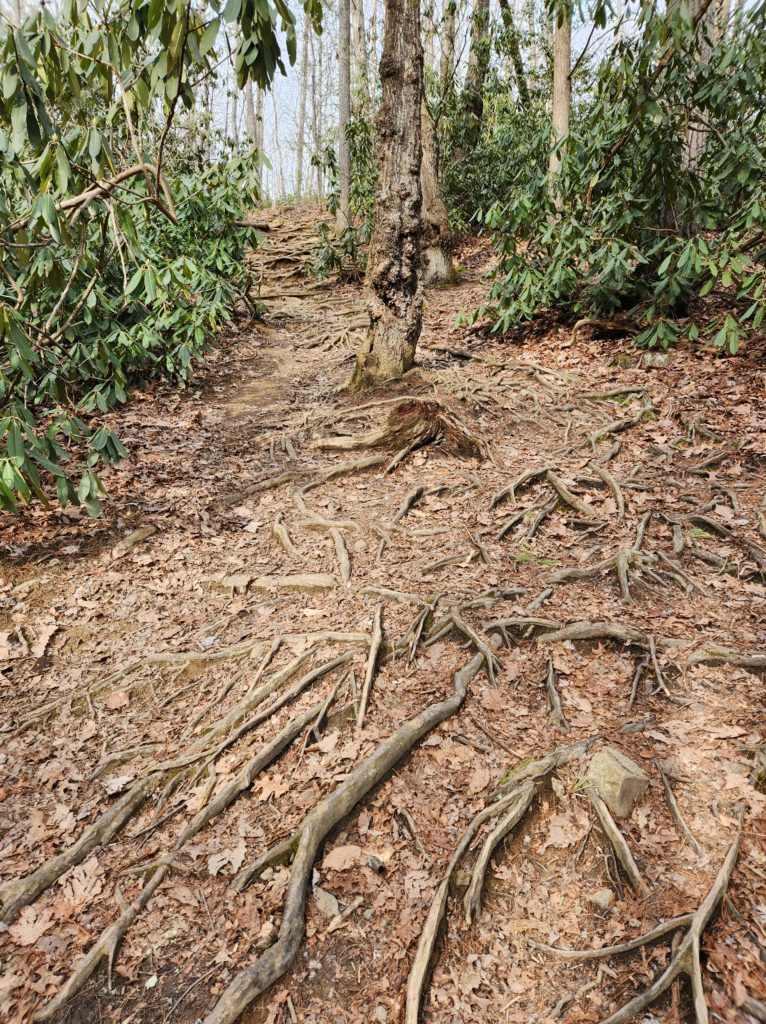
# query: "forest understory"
347, 657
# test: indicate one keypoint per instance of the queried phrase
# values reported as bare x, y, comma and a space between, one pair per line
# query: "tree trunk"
707, 27
515, 49
447, 60
437, 265
393, 267
478, 63
279, 186
343, 217
301, 131
360, 58
562, 94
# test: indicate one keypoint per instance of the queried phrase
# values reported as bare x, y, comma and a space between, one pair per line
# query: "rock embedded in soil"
603, 899
618, 781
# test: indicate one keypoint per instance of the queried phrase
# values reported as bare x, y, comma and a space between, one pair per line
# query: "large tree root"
413, 424
618, 843
20, 892
518, 794
272, 964
106, 945
686, 958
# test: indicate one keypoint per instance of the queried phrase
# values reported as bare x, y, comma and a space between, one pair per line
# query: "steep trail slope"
319, 633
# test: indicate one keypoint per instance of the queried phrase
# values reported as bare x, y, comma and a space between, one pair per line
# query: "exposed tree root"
618, 843
712, 654
109, 940
556, 717
341, 551
617, 426
675, 812
413, 424
372, 661
269, 967
523, 788
523, 798
20, 892
686, 958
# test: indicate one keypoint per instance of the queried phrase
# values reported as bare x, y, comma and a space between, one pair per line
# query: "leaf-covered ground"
150, 658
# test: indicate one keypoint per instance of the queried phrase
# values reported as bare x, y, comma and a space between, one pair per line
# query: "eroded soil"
125, 664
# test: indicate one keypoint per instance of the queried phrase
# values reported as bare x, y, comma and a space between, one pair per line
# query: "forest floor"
151, 657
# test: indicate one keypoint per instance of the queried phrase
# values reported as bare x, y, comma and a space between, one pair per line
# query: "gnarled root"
272, 964
412, 424
686, 958
524, 786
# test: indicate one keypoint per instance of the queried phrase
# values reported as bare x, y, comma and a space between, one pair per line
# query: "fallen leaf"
116, 700
30, 926
342, 858
478, 781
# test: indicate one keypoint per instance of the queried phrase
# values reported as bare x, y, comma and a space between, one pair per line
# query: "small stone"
380, 1014
617, 780
603, 899
326, 903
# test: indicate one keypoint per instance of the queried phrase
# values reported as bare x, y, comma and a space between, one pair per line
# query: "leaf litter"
80, 608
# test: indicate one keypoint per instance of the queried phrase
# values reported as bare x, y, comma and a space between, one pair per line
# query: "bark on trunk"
343, 217
447, 62
562, 93
393, 268
437, 265
478, 63
515, 51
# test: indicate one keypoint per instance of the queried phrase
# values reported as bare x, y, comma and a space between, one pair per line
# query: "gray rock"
617, 780
326, 903
603, 899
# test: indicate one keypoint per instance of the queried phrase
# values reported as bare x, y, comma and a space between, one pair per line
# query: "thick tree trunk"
393, 268
562, 92
301, 129
478, 63
343, 218
437, 265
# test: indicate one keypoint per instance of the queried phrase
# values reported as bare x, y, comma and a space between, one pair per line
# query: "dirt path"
167, 672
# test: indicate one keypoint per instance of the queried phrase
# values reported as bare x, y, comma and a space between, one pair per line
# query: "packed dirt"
260, 643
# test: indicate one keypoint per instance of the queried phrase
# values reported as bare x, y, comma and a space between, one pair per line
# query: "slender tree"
512, 33
393, 268
562, 89
301, 129
478, 65
437, 265
343, 219
447, 45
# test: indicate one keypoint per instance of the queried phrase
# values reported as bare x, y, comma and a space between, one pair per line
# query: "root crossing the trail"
305, 728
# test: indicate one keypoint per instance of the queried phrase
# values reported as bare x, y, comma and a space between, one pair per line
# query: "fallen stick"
273, 963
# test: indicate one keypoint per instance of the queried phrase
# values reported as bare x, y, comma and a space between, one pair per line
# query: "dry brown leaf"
342, 858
